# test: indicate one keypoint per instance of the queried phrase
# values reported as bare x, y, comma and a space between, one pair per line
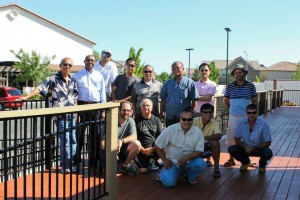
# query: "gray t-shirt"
128, 128
124, 85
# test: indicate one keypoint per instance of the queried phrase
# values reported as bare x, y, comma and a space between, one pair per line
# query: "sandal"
229, 163
253, 164
208, 163
217, 174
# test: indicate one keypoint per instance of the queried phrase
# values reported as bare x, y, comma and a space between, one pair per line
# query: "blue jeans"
67, 142
192, 169
240, 154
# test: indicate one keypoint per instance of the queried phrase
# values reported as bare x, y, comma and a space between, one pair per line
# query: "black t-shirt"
148, 130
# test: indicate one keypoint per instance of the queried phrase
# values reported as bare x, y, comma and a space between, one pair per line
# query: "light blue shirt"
178, 96
259, 134
90, 86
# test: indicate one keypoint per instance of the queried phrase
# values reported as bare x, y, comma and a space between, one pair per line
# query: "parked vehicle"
9, 95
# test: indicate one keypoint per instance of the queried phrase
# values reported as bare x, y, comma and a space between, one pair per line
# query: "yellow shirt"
213, 127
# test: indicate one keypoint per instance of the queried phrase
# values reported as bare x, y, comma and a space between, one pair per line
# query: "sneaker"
262, 170
245, 167
65, 170
130, 169
152, 165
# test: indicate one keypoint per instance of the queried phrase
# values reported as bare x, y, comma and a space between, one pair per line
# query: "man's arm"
207, 97
226, 102
162, 109
194, 105
33, 93
254, 100
184, 159
113, 93
160, 152
216, 136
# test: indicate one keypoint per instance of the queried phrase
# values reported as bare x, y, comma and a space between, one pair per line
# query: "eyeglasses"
208, 112
147, 71
130, 65
204, 70
68, 64
253, 113
125, 110
186, 119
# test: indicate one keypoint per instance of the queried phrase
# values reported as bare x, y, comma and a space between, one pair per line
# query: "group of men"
141, 138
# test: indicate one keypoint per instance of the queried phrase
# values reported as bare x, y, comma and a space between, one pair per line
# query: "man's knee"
233, 149
267, 153
198, 165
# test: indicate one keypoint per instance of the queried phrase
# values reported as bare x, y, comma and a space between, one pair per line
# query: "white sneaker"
152, 165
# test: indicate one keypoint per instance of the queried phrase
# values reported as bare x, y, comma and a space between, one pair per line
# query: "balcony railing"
29, 145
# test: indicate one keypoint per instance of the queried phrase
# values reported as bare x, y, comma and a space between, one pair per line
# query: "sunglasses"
253, 113
147, 71
206, 112
130, 65
67, 64
204, 70
186, 119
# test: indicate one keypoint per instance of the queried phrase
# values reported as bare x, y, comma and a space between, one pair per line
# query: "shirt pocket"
184, 93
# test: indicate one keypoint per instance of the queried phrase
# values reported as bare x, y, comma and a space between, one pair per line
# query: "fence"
29, 152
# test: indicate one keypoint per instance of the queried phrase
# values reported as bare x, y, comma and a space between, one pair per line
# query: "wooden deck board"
281, 181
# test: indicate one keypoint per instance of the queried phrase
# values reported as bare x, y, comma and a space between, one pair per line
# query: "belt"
86, 102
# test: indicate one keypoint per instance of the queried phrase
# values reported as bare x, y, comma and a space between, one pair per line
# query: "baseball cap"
239, 66
106, 52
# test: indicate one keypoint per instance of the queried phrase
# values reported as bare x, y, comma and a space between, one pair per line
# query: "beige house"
278, 71
252, 66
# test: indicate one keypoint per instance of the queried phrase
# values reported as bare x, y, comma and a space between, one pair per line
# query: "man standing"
108, 70
252, 138
148, 129
123, 84
91, 89
238, 95
128, 145
177, 93
61, 88
184, 144
212, 135
148, 87
205, 87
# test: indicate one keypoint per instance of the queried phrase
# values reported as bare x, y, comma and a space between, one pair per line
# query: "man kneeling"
184, 145
252, 138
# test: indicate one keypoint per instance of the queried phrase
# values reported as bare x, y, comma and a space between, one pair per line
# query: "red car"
10, 94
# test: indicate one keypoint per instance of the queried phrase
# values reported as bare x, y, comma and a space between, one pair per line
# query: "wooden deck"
281, 181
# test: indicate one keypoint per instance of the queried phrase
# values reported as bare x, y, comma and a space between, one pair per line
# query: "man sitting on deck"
212, 135
252, 138
184, 145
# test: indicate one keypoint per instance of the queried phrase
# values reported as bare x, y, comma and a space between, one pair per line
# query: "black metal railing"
30, 146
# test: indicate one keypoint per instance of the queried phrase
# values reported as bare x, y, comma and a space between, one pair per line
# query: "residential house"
279, 71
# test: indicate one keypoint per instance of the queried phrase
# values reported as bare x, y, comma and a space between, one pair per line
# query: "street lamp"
190, 49
227, 30
246, 62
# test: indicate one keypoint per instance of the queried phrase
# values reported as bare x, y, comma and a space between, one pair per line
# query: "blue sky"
267, 30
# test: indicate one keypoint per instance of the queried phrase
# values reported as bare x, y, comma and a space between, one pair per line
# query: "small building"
279, 71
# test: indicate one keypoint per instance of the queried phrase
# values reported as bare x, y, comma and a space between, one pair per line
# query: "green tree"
163, 77
137, 56
33, 66
196, 75
96, 54
215, 72
296, 75
257, 79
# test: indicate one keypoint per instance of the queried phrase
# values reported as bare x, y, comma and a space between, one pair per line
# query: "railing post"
111, 152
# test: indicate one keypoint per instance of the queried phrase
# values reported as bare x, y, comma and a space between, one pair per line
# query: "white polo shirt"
109, 73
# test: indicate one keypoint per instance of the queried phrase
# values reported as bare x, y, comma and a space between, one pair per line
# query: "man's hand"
249, 149
182, 161
167, 164
148, 151
120, 142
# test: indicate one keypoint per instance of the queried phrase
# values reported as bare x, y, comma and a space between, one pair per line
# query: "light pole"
190, 49
246, 62
227, 30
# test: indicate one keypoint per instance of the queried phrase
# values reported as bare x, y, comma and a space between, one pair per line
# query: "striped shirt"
239, 97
